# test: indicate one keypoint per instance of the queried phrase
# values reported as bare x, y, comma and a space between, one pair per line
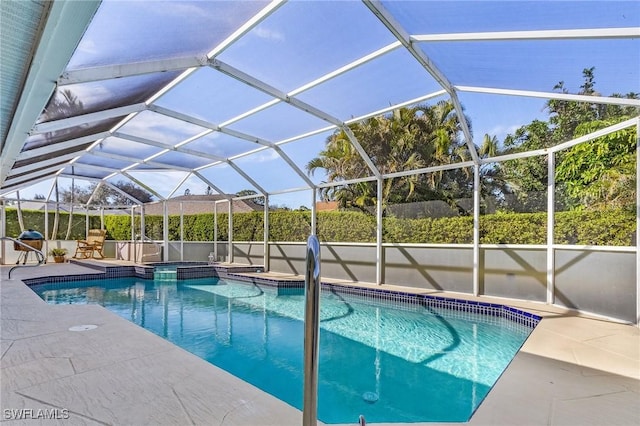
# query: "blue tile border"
399, 298
396, 299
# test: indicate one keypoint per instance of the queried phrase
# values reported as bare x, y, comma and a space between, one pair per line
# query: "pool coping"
573, 369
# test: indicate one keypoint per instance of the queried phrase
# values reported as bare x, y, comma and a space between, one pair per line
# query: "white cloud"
266, 33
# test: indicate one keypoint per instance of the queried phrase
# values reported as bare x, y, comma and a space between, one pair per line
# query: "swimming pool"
390, 361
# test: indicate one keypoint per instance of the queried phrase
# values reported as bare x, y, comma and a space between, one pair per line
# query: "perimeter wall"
600, 280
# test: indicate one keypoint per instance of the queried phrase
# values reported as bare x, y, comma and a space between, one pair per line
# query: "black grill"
31, 238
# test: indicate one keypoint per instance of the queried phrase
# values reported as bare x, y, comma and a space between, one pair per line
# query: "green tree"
526, 179
602, 172
257, 200
407, 139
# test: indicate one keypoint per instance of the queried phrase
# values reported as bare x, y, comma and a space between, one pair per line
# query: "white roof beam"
120, 191
289, 191
587, 33
94, 167
200, 154
596, 134
193, 138
269, 144
124, 158
346, 182
248, 153
551, 95
247, 137
18, 186
45, 163
206, 166
184, 117
318, 81
429, 169
65, 123
183, 180
515, 156
142, 140
86, 75
48, 171
246, 27
305, 135
396, 29
249, 113
294, 166
66, 23
47, 149
208, 182
166, 146
87, 178
352, 65
366, 116
247, 177
94, 192
161, 165
270, 90
400, 105
143, 185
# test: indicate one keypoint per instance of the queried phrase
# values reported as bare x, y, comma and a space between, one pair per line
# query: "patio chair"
94, 243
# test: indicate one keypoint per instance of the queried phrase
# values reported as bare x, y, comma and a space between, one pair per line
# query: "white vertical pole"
86, 223
165, 231
143, 225
133, 235
143, 232
314, 212
101, 217
46, 228
215, 230
181, 232
230, 242
551, 196
265, 250
476, 230
379, 206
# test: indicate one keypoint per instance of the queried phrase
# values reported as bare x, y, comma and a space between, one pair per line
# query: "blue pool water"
387, 361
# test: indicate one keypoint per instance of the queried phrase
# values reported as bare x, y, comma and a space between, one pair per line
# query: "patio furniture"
94, 243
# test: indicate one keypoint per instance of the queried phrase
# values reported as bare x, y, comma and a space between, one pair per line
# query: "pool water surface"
388, 361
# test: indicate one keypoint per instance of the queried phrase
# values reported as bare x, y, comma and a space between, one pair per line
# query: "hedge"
613, 227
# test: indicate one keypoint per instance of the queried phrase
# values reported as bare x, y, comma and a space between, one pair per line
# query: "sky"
302, 41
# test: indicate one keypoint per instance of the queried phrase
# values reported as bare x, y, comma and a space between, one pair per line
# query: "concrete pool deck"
573, 370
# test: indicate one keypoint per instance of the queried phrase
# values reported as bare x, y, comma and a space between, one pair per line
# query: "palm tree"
410, 138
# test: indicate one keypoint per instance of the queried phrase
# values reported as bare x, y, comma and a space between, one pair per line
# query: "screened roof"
236, 95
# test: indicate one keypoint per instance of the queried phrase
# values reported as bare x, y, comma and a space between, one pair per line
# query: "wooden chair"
93, 244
